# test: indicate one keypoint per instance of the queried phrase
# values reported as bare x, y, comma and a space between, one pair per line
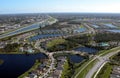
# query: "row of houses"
115, 72
59, 67
40, 70
6, 27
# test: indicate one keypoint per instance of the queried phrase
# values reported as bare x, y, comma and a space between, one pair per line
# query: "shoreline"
1, 61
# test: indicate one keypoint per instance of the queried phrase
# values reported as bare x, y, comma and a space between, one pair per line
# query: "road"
102, 61
37, 45
76, 76
29, 28
51, 67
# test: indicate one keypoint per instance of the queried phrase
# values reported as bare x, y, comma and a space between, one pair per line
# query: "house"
115, 72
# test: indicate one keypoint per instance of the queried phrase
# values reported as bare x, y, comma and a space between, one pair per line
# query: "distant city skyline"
48, 6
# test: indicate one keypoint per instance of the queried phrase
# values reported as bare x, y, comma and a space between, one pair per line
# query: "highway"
102, 61
29, 28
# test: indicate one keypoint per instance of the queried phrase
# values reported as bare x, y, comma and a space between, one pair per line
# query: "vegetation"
105, 37
73, 66
116, 59
105, 71
60, 44
85, 71
11, 48
67, 71
104, 52
82, 39
1, 61
55, 42
61, 54
31, 69
14, 48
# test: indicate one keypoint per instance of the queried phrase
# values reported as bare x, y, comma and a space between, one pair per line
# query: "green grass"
65, 70
78, 69
17, 53
32, 68
105, 71
12, 53
81, 66
104, 52
86, 70
81, 26
55, 42
1, 61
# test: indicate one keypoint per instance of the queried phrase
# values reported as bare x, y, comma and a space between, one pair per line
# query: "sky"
48, 6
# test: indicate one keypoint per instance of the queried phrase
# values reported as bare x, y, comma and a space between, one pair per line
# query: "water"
114, 31
76, 58
110, 25
80, 30
86, 49
37, 37
16, 64
104, 44
95, 26
24, 29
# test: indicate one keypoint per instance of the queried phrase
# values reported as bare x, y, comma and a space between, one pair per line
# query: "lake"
86, 49
16, 64
76, 58
37, 37
95, 26
110, 25
79, 30
114, 31
27, 28
21, 30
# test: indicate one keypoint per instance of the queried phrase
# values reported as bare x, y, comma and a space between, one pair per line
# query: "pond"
21, 30
110, 25
86, 49
16, 64
80, 30
95, 26
37, 37
114, 31
76, 58
27, 28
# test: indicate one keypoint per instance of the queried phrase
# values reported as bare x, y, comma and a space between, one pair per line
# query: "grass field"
65, 70
104, 52
105, 71
86, 70
55, 42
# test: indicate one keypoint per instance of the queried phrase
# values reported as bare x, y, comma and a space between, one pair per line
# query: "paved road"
52, 66
76, 76
102, 60
37, 45
29, 28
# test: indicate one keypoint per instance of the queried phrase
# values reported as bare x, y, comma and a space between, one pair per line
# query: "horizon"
60, 13
63, 6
